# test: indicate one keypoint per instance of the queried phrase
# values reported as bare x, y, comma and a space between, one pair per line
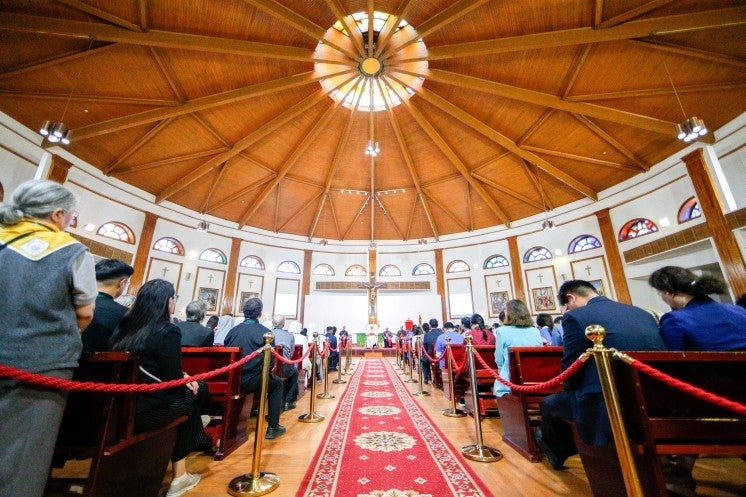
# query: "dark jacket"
249, 335
106, 318
194, 334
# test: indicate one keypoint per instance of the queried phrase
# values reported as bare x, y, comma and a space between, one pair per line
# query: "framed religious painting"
599, 286
544, 299
245, 296
498, 301
209, 295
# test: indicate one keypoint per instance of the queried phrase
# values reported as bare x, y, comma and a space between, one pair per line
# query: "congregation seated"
193, 334
288, 372
517, 331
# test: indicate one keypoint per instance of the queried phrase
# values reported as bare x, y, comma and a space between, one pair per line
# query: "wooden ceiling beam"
297, 21
446, 16
450, 214
391, 24
456, 161
166, 162
354, 220
240, 193
103, 99
209, 128
407, 155
52, 60
506, 142
296, 154
632, 13
197, 104
142, 14
166, 72
535, 126
317, 216
349, 25
388, 216
214, 186
546, 200
598, 12
546, 100
695, 21
277, 208
154, 38
244, 143
101, 14
612, 141
137, 145
588, 160
334, 218
371, 33
300, 211
653, 92
508, 191
695, 53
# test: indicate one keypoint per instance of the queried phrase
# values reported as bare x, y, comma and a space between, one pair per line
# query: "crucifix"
498, 283
541, 278
588, 269
372, 286
165, 270
209, 278
251, 282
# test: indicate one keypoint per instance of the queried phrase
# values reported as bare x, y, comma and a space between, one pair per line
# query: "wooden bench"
519, 412
485, 381
100, 427
232, 408
662, 420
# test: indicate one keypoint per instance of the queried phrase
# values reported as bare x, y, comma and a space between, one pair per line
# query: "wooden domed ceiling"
485, 111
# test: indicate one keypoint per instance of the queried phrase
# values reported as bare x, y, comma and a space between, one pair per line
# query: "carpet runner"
380, 443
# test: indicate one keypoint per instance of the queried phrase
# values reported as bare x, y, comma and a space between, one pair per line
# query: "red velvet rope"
557, 380
90, 386
282, 358
457, 368
686, 387
431, 358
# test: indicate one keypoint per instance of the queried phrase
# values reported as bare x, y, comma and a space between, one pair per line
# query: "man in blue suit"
627, 328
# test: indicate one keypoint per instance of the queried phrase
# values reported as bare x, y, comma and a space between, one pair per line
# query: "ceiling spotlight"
372, 246
55, 132
422, 241
203, 226
372, 149
323, 242
691, 129
547, 225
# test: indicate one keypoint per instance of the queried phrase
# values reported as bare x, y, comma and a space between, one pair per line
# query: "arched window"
583, 243
689, 210
356, 270
288, 267
537, 254
169, 245
494, 261
389, 270
121, 232
252, 261
637, 227
423, 268
213, 255
323, 270
457, 267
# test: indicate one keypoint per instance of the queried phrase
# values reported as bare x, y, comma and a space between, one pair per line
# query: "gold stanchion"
398, 353
597, 334
451, 412
418, 348
346, 358
325, 394
410, 361
258, 483
312, 417
339, 379
477, 452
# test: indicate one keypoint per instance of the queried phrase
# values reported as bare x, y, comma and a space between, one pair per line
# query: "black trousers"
274, 394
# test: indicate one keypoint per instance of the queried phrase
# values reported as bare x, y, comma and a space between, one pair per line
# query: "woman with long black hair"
147, 330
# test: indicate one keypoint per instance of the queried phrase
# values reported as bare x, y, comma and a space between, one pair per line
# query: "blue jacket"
704, 324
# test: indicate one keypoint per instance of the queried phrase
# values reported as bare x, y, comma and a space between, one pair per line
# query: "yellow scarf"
34, 239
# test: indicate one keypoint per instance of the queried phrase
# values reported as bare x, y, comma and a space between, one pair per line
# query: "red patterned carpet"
381, 444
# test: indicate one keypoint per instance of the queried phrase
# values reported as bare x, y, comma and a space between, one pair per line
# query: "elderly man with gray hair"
193, 334
289, 371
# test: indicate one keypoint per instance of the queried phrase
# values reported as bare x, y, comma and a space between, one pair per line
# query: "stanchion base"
481, 453
411, 380
339, 381
422, 392
311, 418
248, 485
453, 413
324, 395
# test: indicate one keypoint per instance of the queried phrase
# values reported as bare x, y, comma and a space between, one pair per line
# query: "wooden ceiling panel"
729, 41
153, 183
45, 8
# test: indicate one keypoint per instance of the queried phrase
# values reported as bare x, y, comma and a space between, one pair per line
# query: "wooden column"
615, 259
515, 268
231, 278
143, 249
306, 284
723, 237
58, 169
440, 282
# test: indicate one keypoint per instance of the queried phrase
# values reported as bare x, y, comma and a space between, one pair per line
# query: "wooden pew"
228, 427
100, 426
485, 382
297, 354
662, 420
519, 412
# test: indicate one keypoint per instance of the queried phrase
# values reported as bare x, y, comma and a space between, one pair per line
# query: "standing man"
431, 336
249, 335
627, 328
333, 353
289, 371
193, 334
112, 278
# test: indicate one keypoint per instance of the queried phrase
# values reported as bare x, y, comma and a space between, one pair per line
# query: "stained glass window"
582, 243
169, 245
689, 210
323, 270
389, 270
537, 254
637, 227
117, 231
494, 261
457, 267
252, 261
288, 267
356, 270
213, 255
423, 268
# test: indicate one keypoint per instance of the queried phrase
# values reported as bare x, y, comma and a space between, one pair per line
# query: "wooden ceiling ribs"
663, 46
101, 14
612, 141
598, 12
137, 145
632, 13
733, 16
300, 211
504, 189
178, 93
354, 219
218, 177
448, 213
78, 97
546, 200
391, 25
545, 100
349, 25
588, 160
53, 60
391, 219
654, 92
120, 171
200, 103
240, 193
507, 143
142, 14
